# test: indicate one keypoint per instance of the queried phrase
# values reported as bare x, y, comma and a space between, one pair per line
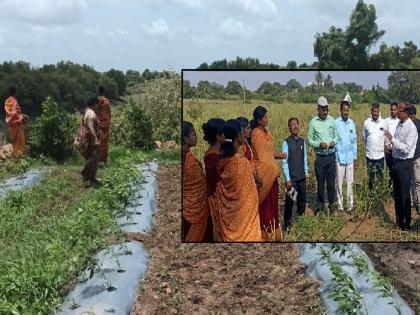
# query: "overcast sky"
175, 34
253, 79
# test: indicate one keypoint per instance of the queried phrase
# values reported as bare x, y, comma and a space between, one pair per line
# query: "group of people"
92, 140
234, 197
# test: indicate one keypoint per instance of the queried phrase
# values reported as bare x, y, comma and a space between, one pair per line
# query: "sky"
176, 34
253, 79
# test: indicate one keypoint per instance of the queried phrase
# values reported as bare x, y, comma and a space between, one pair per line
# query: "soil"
217, 278
401, 263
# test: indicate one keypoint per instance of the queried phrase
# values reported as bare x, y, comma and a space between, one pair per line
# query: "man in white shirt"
404, 146
373, 136
391, 123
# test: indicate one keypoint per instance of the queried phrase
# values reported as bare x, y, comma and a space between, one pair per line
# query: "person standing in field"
103, 112
195, 211
88, 142
373, 137
295, 170
268, 169
213, 134
390, 123
323, 136
15, 121
236, 195
246, 150
346, 155
404, 147
415, 183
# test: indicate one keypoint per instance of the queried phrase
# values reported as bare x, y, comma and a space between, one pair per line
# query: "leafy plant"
52, 133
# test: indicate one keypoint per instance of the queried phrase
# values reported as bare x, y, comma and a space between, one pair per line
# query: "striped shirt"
405, 140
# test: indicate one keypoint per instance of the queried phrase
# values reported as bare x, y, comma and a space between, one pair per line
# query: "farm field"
243, 278
375, 215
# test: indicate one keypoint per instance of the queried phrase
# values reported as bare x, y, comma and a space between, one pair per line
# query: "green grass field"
377, 207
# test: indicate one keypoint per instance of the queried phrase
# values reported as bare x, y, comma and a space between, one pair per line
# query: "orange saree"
268, 169
236, 199
195, 205
104, 116
15, 123
265, 163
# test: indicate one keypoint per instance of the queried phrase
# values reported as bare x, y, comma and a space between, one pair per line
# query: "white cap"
347, 98
322, 101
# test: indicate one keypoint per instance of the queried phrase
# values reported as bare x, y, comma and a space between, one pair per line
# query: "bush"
52, 134
131, 127
162, 104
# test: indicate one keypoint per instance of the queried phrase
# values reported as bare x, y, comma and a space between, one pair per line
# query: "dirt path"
401, 263
218, 278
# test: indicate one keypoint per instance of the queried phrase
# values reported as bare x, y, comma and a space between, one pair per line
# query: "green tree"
349, 49
293, 84
291, 65
186, 89
361, 34
405, 85
119, 78
234, 88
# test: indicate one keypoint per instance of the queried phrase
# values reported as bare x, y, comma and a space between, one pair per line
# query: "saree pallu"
268, 169
236, 201
104, 117
195, 204
17, 137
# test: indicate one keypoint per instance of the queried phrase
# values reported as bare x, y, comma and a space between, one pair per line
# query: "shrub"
162, 104
52, 133
131, 127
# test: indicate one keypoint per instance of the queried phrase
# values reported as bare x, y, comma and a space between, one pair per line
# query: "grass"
49, 233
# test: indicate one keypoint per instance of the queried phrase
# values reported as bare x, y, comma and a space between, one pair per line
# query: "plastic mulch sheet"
372, 302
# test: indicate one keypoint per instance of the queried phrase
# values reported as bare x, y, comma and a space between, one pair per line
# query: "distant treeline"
343, 49
401, 85
69, 84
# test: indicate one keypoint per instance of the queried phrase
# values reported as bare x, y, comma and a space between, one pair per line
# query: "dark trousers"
390, 165
402, 199
375, 171
325, 171
92, 157
300, 186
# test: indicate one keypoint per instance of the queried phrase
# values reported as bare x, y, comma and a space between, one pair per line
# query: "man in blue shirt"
295, 170
346, 155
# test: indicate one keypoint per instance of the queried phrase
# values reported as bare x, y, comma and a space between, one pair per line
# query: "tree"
330, 48
291, 65
349, 49
328, 83
361, 34
265, 88
233, 88
293, 84
119, 78
319, 79
186, 89
204, 89
404, 85
132, 77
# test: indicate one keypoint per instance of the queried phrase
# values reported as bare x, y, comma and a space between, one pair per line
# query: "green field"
376, 209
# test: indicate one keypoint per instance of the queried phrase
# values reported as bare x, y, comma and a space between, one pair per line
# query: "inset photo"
300, 156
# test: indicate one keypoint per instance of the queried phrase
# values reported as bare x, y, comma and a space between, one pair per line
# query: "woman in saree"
195, 212
213, 134
88, 142
246, 150
268, 169
236, 195
15, 121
